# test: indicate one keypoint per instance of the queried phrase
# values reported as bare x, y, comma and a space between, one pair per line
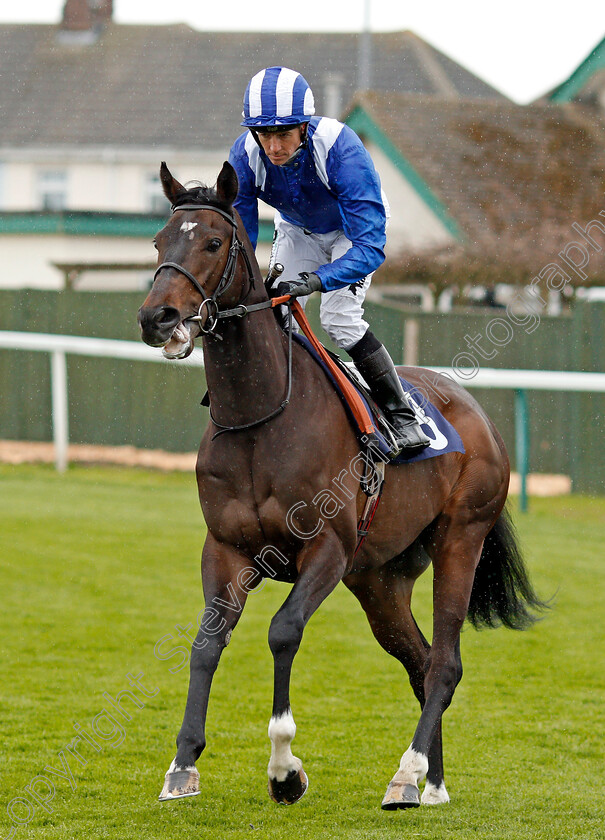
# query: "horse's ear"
226, 184
170, 185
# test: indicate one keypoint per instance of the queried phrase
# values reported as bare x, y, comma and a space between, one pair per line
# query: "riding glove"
305, 285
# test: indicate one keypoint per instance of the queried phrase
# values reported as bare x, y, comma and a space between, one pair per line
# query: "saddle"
371, 425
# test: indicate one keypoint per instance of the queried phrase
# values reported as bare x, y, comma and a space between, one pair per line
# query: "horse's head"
196, 254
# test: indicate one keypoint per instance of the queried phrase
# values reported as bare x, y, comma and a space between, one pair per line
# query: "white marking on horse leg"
402, 790
432, 795
413, 767
173, 767
282, 730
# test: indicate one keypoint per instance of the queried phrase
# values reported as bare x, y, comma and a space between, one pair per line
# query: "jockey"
329, 226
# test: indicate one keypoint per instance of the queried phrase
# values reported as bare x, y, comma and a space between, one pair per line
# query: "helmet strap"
255, 135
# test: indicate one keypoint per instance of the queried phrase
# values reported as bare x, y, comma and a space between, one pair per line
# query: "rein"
221, 428
214, 314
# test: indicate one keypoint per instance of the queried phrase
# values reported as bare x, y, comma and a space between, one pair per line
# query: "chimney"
84, 20
77, 16
102, 11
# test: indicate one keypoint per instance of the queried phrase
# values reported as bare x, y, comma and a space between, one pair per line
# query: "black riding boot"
378, 370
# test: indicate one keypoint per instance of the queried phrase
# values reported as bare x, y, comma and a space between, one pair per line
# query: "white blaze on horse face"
187, 227
282, 730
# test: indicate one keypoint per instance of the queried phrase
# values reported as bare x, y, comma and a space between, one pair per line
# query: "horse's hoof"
291, 789
180, 783
400, 795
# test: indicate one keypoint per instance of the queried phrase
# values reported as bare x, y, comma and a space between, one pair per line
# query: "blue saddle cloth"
444, 437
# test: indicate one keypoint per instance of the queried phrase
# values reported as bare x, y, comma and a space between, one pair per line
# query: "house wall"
102, 180
98, 179
26, 261
413, 225
121, 180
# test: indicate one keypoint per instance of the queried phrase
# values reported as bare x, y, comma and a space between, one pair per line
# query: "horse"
281, 501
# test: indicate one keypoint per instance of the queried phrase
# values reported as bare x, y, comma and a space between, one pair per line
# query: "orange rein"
351, 394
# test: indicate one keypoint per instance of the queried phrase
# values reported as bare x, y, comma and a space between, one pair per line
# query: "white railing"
81, 346
58, 346
532, 380
522, 381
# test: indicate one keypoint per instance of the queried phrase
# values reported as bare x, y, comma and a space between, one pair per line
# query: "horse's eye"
214, 245
155, 244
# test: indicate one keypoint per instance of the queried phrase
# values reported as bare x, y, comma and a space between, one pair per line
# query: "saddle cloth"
444, 437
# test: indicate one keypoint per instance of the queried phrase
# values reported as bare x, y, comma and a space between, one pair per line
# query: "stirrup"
410, 438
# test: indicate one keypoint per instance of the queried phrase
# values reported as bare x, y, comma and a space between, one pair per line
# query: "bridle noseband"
210, 302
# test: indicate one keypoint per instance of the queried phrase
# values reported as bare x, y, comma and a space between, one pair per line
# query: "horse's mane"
197, 193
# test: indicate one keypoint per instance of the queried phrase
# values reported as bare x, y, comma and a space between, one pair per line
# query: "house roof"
512, 177
588, 76
149, 86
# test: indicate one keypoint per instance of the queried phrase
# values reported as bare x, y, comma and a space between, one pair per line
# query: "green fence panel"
116, 402
111, 401
443, 337
545, 345
587, 433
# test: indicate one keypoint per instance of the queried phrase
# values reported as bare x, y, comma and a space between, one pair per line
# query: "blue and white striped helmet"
277, 96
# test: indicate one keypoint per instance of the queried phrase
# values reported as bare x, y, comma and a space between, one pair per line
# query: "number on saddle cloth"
378, 440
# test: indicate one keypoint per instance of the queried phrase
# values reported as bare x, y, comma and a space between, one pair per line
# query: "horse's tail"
502, 592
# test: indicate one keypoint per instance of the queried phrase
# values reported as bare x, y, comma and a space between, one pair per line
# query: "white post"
364, 77
411, 340
58, 367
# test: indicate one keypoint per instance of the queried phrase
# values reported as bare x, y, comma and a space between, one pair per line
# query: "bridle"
214, 314
210, 302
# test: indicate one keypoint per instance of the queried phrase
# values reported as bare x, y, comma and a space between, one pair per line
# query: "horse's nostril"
157, 323
166, 317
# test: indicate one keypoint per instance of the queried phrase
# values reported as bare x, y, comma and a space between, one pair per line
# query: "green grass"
100, 564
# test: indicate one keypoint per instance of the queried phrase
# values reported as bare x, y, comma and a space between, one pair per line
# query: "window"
52, 189
155, 200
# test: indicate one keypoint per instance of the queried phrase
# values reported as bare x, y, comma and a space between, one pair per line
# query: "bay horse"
278, 438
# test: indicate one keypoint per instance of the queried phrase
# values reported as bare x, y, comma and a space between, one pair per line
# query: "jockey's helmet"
277, 98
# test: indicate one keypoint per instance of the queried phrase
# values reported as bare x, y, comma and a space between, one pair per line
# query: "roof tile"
172, 85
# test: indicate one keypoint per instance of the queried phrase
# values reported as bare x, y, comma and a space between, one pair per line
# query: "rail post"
58, 365
522, 443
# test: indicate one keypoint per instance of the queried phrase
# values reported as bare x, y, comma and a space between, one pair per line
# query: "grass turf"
99, 565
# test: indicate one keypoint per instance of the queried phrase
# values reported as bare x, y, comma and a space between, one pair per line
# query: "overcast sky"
521, 47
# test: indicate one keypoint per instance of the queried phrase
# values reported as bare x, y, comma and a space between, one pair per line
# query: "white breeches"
340, 312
